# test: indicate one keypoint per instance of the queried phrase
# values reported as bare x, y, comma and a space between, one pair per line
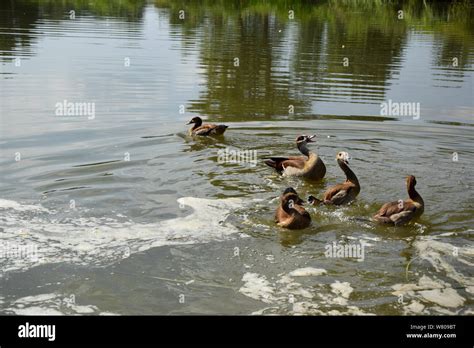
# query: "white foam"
431, 294
305, 308
101, 241
287, 295
344, 289
430, 290
441, 256
444, 297
257, 287
49, 304
7, 204
351, 310
307, 271
36, 310
415, 307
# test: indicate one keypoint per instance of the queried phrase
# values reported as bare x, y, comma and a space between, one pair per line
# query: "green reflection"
258, 62
355, 47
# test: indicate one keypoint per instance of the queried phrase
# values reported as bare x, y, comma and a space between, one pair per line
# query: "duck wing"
281, 215
299, 218
283, 219
301, 211
402, 217
280, 163
336, 194
396, 213
210, 129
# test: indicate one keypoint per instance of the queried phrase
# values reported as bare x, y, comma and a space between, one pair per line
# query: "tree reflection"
256, 61
284, 63
19, 19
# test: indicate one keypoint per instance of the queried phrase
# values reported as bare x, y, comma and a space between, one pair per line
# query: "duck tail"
221, 128
314, 201
270, 163
276, 162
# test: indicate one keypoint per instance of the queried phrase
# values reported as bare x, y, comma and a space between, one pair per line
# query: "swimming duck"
205, 129
341, 193
309, 166
290, 213
401, 212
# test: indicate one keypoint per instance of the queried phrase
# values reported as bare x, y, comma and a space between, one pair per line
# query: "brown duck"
205, 129
341, 193
290, 213
401, 212
308, 166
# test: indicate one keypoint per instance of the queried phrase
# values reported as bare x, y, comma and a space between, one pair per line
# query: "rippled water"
121, 212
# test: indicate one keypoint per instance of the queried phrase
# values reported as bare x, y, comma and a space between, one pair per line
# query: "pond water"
118, 211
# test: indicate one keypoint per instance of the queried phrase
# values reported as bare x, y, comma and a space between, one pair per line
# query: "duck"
401, 212
205, 129
309, 166
343, 193
290, 214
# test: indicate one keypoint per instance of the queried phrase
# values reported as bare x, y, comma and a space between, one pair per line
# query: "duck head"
411, 181
305, 139
302, 141
343, 157
196, 120
289, 190
290, 196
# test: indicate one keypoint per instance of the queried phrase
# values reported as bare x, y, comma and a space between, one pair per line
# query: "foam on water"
428, 291
442, 288
344, 289
441, 256
291, 297
7, 204
430, 294
257, 287
50, 304
44, 238
307, 271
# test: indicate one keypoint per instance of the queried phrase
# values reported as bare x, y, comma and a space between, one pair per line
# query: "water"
119, 212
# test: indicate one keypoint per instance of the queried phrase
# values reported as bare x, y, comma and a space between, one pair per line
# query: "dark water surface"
119, 211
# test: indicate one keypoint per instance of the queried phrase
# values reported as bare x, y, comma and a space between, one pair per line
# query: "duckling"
341, 193
309, 166
290, 213
205, 129
401, 212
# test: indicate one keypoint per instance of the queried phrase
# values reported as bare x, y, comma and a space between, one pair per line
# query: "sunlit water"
120, 212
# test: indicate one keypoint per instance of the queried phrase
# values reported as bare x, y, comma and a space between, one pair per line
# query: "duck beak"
345, 160
190, 122
310, 137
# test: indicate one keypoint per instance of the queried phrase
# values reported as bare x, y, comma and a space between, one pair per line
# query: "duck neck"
414, 195
350, 176
286, 208
302, 146
197, 124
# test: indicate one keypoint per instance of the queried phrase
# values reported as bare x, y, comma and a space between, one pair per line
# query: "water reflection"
256, 61
19, 20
